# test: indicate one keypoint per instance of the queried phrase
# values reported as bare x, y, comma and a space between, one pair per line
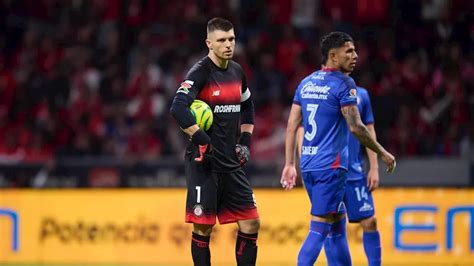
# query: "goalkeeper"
217, 185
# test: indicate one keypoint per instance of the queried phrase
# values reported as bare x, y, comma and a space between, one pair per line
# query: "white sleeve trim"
245, 95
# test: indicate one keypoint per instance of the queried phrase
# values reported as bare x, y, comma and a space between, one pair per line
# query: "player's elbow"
177, 107
174, 107
353, 129
180, 112
357, 128
291, 128
174, 110
248, 113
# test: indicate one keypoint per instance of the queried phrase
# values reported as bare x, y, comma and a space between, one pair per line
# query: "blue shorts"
325, 190
358, 200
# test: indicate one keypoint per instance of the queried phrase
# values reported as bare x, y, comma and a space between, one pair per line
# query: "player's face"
221, 43
346, 57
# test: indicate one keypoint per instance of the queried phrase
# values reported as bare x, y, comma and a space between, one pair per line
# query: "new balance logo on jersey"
231, 108
366, 207
216, 93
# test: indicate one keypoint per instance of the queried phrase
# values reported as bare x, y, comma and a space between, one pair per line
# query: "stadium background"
84, 91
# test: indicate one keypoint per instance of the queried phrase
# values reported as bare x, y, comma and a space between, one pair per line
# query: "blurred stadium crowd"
96, 77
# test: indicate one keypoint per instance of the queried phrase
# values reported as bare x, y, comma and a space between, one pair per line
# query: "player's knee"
329, 218
369, 224
306, 256
203, 229
249, 226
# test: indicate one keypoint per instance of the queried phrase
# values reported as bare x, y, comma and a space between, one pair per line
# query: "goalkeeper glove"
242, 148
203, 142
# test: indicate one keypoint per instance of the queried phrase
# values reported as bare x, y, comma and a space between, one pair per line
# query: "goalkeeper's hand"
204, 153
243, 148
243, 154
203, 142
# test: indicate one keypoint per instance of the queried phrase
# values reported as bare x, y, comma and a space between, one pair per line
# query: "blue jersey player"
358, 199
325, 103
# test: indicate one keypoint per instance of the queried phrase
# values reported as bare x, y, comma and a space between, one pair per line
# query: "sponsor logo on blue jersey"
312, 91
321, 96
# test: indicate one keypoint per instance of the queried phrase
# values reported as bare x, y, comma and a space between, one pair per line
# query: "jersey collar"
328, 69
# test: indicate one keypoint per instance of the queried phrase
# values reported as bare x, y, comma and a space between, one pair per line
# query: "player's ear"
332, 55
209, 44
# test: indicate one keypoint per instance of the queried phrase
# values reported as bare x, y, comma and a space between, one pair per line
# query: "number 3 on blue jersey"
311, 108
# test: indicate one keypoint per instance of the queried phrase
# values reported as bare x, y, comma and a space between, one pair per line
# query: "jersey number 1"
198, 192
311, 108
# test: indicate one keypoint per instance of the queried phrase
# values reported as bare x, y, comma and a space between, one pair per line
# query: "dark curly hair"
334, 39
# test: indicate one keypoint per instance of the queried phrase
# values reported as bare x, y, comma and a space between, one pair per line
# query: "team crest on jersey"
353, 93
198, 210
